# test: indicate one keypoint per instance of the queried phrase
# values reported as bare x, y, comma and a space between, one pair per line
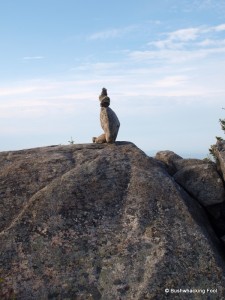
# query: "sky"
162, 62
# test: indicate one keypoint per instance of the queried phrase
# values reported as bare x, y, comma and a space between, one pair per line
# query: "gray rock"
100, 139
169, 158
104, 99
203, 182
175, 162
100, 221
196, 176
110, 124
109, 121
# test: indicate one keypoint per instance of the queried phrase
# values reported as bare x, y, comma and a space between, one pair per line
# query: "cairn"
109, 121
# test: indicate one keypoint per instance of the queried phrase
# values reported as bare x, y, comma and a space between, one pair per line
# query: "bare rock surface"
198, 177
202, 182
175, 162
170, 159
101, 221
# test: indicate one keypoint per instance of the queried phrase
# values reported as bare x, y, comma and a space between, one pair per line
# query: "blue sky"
163, 63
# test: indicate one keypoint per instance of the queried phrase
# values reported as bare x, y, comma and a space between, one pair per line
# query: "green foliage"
212, 156
222, 124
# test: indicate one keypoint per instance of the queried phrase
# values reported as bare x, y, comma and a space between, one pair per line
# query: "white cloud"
177, 39
27, 87
215, 6
220, 27
207, 42
99, 66
33, 57
171, 81
184, 35
170, 56
166, 44
181, 38
184, 45
8, 91
112, 33
211, 42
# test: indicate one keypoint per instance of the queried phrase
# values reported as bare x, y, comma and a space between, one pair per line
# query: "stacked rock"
109, 121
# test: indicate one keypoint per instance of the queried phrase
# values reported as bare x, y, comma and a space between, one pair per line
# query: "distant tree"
212, 147
222, 124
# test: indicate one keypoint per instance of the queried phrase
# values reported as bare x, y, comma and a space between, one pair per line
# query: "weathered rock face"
197, 177
170, 159
202, 182
101, 222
